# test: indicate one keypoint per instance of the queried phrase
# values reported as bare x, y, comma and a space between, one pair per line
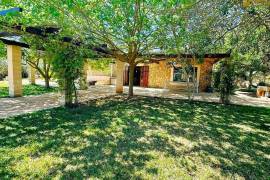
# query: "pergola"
14, 43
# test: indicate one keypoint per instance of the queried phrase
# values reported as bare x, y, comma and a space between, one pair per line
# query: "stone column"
31, 74
14, 70
119, 76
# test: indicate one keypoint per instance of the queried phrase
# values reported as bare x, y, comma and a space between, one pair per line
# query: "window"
179, 74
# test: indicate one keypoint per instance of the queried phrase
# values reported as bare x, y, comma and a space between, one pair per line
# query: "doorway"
141, 74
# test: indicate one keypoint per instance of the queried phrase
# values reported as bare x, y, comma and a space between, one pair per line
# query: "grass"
140, 138
27, 90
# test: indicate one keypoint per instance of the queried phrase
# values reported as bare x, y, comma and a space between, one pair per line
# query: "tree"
185, 36
3, 61
129, 28
224, 78
67, 63
249, 65
40, 61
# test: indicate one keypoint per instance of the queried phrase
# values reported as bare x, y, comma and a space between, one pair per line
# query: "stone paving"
16, 106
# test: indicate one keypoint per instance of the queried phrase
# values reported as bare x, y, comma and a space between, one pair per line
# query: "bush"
261, 84
216, 78
24, 71
224, 77
68, 64
3, 69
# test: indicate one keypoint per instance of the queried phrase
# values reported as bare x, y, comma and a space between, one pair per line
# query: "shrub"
68, 64
3, 69
261, 84
224, 78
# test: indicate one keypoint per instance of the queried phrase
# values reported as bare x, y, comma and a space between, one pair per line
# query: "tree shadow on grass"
116, 138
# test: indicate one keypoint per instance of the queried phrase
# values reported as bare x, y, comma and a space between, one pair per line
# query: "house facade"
164, 73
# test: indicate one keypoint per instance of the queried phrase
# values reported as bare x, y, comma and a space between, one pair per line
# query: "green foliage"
100, 64
3, 61
129, 28
262, 84
142, 138
133, 28
27, 90
3, 51
68, 64
39, 60
224, 80
3, 69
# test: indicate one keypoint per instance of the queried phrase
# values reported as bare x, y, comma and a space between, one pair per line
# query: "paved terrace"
16, 106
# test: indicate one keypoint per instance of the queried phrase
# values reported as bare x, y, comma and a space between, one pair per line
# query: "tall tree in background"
129, 28
3, 61
40, 61
187, 36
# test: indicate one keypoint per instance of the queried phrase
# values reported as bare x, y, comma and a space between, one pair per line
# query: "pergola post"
14, 70
31, 74
119, 76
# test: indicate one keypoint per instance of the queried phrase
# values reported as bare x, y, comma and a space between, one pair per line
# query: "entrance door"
141, 74
144, 76
137, 76
126, 76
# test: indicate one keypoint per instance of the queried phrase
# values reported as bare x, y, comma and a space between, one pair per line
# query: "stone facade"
206, 73
101, 77
247, 3
160, 75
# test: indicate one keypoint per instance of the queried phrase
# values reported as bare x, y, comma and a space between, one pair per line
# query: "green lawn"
27, 89
142, 138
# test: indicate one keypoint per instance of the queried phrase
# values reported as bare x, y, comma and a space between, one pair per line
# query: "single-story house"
162, 74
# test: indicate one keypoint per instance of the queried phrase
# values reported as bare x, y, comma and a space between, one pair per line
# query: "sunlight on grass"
27, 89
36, 167
117, 139
3, 84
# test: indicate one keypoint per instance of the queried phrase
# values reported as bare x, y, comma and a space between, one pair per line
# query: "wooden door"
126, 76
144, 76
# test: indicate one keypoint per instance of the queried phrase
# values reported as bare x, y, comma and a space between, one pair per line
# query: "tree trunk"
224, 86
131, 79
250, 78
188, 88
68, 94
47, 82
264, 77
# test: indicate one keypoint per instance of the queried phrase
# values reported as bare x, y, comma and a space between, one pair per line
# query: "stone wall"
101, 77
160, 75
206, 74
